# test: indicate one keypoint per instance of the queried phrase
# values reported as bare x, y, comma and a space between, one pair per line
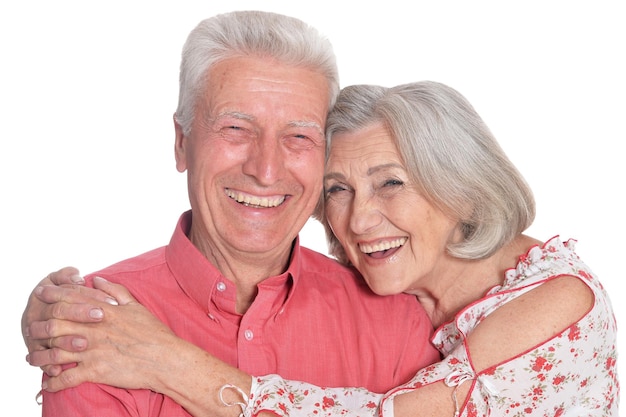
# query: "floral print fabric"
571, 374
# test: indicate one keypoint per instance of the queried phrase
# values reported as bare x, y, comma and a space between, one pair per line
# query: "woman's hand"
122, 345
103, 335
59, 297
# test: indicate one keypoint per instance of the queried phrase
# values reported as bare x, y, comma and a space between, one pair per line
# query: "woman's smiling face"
393, 235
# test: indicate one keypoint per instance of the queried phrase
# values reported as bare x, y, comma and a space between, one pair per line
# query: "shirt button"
221, 287
248, 334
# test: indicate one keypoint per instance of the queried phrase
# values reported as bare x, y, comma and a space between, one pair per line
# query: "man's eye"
300, 142
230, 129
300, 137
236, 133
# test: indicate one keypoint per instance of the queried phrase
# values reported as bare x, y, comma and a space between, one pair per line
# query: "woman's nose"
365, 215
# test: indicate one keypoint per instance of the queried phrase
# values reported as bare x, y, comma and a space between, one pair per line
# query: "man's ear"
180, 146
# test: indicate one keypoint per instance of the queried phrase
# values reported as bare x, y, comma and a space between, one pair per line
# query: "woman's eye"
392, 182
334, 189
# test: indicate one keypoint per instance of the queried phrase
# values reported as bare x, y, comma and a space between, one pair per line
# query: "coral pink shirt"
317, 322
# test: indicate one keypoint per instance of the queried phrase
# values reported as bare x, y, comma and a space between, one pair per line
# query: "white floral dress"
571, 374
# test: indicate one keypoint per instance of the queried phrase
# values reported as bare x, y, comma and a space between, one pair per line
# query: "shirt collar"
198, 277
192, 270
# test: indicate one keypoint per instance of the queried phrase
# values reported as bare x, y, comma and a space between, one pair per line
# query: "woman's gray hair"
250, 33
450, 155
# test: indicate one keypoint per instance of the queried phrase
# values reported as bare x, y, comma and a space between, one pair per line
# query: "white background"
87, 91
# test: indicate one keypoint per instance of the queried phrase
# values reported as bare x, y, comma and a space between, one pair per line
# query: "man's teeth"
249, 200
382, 246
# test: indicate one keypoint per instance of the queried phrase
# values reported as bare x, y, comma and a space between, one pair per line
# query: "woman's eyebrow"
334, 176
375, 169
371, 171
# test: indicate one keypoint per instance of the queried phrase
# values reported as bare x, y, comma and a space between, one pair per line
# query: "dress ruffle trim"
532, 267
539, 258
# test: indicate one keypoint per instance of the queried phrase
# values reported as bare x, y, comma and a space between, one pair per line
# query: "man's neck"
245, 270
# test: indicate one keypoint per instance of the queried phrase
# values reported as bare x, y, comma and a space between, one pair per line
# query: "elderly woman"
421, 199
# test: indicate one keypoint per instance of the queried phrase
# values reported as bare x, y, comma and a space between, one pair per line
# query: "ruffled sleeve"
284, 398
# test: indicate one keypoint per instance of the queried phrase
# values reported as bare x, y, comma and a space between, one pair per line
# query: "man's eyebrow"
305, 123
249, 117
236, 115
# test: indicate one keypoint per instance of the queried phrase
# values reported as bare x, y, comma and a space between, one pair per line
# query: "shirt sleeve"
84, 400
88, 399
284, 397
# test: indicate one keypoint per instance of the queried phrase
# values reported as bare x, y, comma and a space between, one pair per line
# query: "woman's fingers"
116, 292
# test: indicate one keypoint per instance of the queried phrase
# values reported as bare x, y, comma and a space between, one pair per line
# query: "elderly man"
255, 89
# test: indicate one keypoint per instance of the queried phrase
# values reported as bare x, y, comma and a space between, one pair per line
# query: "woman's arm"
60, 295
142, 353
506, 333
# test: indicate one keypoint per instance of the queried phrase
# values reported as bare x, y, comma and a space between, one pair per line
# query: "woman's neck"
463, 281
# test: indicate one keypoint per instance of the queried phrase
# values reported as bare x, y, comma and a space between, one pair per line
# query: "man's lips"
255, 201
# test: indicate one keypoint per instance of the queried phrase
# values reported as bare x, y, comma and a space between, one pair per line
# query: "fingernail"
99, 279
28, 358
96, 313
26, 332
112, 301
77, 279
44, 385
38, 290
79, 343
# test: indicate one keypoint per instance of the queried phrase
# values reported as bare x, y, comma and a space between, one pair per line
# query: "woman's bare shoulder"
529, 320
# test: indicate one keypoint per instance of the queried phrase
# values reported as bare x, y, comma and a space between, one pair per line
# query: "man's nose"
265, 161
